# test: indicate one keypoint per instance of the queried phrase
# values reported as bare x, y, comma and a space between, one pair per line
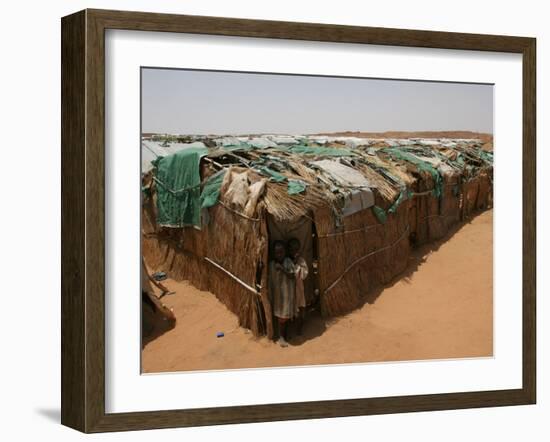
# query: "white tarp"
445, 169
282, 139
227, 141
344, 175
360, 194
429, 142
319, 139
261, 143
404, 142
353, 142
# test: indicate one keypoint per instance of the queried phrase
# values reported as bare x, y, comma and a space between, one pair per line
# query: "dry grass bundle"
302, 170
398, 170
284, 207
388, 191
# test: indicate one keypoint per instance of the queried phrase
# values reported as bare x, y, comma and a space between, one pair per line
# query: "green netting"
273, 176
399, 154
380, 214
403, 195
485, 156
178, 187
211, 190
320, 151
295, 187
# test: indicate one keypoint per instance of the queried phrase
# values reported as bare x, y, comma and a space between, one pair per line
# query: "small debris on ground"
159, 276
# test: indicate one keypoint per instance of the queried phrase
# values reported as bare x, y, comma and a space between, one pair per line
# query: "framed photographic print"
271, 220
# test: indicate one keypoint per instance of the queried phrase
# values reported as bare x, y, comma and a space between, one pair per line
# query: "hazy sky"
206, 102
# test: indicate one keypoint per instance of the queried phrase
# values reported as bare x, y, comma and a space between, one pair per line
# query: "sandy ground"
441, 307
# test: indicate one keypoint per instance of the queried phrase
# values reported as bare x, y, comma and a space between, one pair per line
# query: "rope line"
244, 284
357, 261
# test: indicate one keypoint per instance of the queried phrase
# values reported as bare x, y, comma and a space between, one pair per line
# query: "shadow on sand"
153, 324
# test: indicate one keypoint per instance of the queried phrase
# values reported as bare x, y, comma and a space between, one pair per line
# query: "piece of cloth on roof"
357, 200
178, 187
282, 139
380, 214
237, 191
255, 191
211, 190
232, 143
295, 187
227, 141
400, 154
342, 174
273, 176
261, 143
319, 151
151, 150
403, 196
356, 186
353, 142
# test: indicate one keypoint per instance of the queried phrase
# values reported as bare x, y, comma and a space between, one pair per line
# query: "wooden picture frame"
83, 220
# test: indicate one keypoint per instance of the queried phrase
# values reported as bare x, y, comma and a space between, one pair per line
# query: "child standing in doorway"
282, 289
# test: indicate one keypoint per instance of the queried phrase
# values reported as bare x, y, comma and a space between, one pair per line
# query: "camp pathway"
441, 307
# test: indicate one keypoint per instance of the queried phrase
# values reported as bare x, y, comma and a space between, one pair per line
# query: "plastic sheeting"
151, 150
342, 174
261, 143
282, 139
320, 151
211, 191
360, 195
353, 142
178, 188
295, 187
403, 155
227, 141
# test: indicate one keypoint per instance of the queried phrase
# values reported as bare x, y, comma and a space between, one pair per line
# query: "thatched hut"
213, 207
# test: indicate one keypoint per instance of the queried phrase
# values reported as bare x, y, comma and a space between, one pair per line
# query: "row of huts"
212, 207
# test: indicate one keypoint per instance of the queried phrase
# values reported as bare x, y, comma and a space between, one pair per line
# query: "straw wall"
450, 202
182, 252
359, 255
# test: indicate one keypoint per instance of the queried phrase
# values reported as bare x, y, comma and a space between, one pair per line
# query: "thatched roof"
298, 174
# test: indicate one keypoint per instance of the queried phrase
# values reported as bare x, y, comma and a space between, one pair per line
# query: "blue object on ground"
219, 335
159, 276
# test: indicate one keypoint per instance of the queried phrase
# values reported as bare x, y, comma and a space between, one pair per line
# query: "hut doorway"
304, 230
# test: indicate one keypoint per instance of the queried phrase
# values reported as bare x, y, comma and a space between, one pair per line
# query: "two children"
287, 272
